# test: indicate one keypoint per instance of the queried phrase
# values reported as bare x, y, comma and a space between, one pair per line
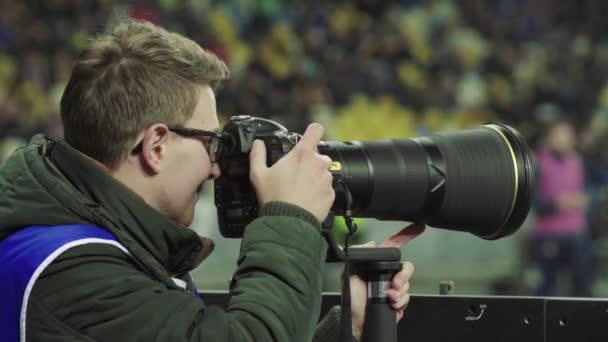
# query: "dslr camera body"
235, 198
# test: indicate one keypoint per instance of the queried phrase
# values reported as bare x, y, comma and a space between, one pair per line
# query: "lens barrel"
478, 180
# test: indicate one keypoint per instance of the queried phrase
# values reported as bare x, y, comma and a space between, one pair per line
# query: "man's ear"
154, 148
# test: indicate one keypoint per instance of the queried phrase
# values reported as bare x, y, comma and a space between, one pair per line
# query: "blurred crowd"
367, 69
419, 65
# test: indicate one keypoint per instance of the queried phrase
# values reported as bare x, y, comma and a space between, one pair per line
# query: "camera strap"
346, 325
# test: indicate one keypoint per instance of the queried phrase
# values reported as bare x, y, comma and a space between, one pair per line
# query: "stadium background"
367, 70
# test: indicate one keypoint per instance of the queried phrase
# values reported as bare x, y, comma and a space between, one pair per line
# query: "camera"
477, 180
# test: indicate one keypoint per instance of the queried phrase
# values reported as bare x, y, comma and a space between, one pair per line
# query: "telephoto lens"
477, 180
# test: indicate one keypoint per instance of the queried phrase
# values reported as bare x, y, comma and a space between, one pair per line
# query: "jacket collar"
177, 248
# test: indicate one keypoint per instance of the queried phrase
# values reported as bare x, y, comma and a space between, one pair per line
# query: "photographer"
94, 237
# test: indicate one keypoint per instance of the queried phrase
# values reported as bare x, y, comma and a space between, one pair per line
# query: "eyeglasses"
213, 144
211, 140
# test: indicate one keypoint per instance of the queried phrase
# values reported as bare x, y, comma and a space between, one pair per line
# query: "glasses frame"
213, 145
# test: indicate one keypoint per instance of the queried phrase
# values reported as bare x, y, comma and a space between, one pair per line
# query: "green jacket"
97, 292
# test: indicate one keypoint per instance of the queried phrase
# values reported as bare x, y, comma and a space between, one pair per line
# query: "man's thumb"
257, 156
404, 236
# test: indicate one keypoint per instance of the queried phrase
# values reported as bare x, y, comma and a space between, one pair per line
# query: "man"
94, 243
560, 236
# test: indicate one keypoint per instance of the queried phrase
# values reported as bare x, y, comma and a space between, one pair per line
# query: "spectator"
560, 237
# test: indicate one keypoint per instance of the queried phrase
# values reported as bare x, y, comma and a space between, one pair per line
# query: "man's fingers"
312, 137
404, 236
257, 157
327, 161
398, 301
403, 276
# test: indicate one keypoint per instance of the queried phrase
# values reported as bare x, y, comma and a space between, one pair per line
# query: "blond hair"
124, 81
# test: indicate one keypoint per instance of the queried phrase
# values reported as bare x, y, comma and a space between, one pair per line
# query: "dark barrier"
491, 318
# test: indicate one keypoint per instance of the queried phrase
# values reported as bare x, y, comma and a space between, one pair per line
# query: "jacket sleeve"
96, 291
328, 330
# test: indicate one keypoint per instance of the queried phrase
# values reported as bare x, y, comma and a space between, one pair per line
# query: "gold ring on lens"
516, 174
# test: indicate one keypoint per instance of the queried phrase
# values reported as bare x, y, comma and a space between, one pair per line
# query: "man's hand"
301, 177
398, 293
